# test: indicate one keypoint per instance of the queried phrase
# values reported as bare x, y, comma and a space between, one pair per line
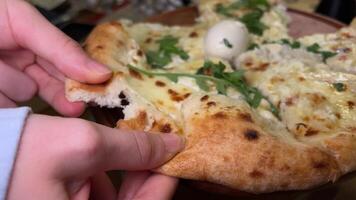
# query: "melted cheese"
302, 86
275, 19
342, 42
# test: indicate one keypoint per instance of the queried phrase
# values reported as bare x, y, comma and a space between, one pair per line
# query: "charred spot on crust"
317, 98
338, 115
175, 96
320, 165
285, 185
99, 47
211, 103
220, 115
277, 79
251, 134
351, 105
120, 43
299, 126
148, 40
135, 74
262, 67
346, 35
166, 128
122, 95
290, 101
160, 84
193, 34
125, 102
140, 53
256, 174
246, 117
204, 98
114, 23
301, 79
172, 92
311, 132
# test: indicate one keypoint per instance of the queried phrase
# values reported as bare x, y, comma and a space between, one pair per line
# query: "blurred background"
64, 13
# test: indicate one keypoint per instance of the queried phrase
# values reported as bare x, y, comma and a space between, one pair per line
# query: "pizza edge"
190, 164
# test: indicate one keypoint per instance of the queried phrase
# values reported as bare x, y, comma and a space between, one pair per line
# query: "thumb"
138, 150
51, 44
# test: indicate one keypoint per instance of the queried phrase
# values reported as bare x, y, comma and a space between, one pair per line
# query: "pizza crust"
227, 142
227, 145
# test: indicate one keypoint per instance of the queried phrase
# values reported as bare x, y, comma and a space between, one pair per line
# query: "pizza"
260, 111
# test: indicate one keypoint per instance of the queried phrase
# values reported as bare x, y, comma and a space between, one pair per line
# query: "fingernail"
99, 68
173, 142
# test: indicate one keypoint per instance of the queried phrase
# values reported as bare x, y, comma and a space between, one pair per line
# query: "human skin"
66, 158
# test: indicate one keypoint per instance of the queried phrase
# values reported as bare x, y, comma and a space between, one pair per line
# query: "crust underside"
226, 144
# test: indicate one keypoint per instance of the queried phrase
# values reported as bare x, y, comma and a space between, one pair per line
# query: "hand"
62, 158
35, 57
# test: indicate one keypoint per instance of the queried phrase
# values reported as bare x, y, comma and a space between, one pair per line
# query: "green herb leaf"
340, 87
202, 83
293, 45
327, 54
227, 43
315, 48
253, 22
167, 48
223, 10
158, 59
253, 46
221, 87
214, 73
262, 5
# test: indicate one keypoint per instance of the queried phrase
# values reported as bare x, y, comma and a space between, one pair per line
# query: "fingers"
6, 102
137, 150
102, 188
98, 148
146, 185
132, 183
52, 91
158, 187
16, 85
18, 58
48, 42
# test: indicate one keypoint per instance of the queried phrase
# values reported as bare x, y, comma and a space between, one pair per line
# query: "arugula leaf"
236, 80
327, 54
227, 43
315, 48
214, 73
224, 10
262, 5
253, 22
167, 48
340, 87
202, 83
158, 59
253, 46
293, 45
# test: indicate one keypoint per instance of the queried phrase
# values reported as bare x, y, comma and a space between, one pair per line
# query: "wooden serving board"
302, 23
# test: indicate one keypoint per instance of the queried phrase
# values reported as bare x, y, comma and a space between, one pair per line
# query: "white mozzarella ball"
226, 39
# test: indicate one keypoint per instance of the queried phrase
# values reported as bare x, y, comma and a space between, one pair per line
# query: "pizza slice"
276, 117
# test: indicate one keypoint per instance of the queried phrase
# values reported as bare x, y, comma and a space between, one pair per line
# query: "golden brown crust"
226, 143
225, 148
